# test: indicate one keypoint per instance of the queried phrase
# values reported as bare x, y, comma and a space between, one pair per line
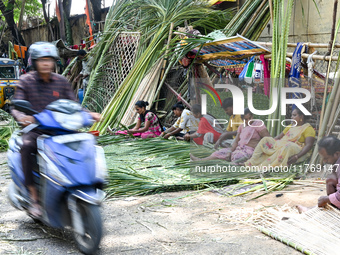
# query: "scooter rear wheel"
91, 218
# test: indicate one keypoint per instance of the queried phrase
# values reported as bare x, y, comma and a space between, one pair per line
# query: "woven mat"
316, 231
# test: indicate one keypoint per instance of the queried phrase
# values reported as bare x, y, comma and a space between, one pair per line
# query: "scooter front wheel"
92, 222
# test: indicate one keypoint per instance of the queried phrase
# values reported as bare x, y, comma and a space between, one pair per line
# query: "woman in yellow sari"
293, 145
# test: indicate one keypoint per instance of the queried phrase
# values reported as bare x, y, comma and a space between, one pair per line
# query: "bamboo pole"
293, 45
162, 81
177, 95
336, 102
322, 126
335, 8
165, 58
305, 55
250, 22
289, 243
271, 10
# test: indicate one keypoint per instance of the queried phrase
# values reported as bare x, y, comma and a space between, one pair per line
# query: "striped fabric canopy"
232, 48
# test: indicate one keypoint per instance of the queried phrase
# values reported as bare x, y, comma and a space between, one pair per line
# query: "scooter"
69, 174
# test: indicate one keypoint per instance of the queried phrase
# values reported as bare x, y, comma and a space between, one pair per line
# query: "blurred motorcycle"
69, 173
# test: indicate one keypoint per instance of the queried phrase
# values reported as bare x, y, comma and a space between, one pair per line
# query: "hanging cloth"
244, 71
258, 73
266, 74
310, 65
294, 74
249, 74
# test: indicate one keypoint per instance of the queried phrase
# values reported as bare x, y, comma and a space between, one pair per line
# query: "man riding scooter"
40, 88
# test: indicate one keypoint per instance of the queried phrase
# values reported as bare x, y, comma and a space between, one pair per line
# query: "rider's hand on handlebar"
27, 120
96, 116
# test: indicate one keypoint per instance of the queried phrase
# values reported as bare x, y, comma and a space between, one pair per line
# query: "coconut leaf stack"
250, 20
7, 127
152, 19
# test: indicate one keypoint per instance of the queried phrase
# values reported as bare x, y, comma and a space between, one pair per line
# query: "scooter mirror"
23, 106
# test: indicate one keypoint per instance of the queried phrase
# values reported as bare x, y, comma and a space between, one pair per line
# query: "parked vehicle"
69, 174
9, 77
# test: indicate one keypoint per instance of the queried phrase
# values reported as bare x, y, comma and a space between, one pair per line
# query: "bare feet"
302, 208
109, 130
35, 210
193, 158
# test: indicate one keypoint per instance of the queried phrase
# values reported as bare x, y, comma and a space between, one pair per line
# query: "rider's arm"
21, 95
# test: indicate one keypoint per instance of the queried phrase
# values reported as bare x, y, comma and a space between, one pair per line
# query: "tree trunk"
97, 11
7, 12
61, 24
22, 11
47, 20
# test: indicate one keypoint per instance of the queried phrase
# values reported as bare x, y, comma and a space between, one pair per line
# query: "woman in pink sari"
152, 126
245, 142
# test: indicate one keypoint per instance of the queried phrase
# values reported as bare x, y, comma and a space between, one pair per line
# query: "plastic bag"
244, 71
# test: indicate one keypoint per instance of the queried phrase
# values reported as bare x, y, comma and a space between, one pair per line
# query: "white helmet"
43, 50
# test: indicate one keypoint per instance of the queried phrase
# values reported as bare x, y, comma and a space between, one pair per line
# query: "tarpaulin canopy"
233, 48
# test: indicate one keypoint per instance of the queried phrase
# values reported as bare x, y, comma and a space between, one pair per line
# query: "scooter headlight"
101, 170
69, 121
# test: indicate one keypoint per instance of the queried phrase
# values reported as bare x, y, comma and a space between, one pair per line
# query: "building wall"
308, 25
78, 24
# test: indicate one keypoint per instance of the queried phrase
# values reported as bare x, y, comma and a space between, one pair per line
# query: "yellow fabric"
234, 119
271, 152
309, 132
212, 2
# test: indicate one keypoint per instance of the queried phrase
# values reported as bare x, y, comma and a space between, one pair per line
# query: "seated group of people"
249, 143
253, 145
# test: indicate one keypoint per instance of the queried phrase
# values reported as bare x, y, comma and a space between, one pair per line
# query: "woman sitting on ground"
186, 122
152, 126
246, 140
208, 129
291, 146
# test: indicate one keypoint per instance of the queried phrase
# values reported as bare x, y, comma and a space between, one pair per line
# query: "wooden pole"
167, 49
178, 95
250, 22
305, 55
165, 61
62, 23
271, 9
335, 8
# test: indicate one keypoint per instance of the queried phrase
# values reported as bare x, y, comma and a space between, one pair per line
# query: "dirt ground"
190, 222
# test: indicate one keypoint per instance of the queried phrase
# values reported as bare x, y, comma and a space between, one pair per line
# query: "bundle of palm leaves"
139, 167
7, 127
250, 20
153, 20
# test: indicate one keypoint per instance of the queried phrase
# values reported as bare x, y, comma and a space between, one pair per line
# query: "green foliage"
33, 8
152, 18
139, 167
7, 127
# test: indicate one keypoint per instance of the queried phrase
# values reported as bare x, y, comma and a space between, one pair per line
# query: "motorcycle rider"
40, 88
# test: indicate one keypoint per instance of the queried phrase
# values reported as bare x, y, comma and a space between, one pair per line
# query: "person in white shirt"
186, 122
